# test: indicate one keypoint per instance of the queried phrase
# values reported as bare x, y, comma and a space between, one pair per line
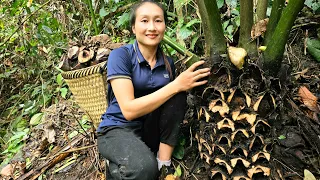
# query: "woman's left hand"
188, 79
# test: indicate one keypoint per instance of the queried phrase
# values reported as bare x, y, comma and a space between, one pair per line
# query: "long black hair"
133, 20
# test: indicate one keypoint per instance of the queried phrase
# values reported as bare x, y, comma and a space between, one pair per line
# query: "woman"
140, 128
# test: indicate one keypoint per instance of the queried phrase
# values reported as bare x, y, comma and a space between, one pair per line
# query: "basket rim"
98, 68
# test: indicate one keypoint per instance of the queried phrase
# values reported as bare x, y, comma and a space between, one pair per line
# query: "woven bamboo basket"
89, 89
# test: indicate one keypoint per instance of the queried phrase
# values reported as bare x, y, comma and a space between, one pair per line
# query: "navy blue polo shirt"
128, 62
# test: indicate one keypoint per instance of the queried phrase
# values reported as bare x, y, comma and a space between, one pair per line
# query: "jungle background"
39, 118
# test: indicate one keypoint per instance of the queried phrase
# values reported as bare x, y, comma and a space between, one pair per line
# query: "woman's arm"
133, 108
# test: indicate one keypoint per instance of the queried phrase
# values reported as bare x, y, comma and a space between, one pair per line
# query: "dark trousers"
131, 150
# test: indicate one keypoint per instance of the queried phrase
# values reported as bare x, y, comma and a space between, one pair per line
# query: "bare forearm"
146, 104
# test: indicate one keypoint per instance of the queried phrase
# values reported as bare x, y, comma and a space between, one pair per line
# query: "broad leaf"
220, 3
184, 32
47, 29
59, 79
178, 171
103, 12
36, 119
64, 92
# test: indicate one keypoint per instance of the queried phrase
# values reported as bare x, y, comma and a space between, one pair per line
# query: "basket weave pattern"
88, 87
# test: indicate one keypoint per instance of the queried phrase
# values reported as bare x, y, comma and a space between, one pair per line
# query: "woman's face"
149, 24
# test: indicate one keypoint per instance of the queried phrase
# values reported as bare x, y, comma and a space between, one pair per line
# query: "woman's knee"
144, 168
148, 168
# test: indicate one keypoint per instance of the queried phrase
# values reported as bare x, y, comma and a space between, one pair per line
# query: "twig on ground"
194, 176
87, 135
75, 129
194, 163
287, 167
77, 149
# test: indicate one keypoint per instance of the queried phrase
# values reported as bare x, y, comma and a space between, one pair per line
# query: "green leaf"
84, 119
180, 3
123, 20
313, 47
194, 41
281, 137
47, 29
59, 79
220, 3
22, 124
192, 22
178, 152
184, 33
17, 136
225, 24
178, 171
235, 12
64, 92
73, 134
36, 119
230, 29
231, 3
308, 3
103, 12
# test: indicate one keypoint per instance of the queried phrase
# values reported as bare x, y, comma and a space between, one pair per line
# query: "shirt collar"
141, 59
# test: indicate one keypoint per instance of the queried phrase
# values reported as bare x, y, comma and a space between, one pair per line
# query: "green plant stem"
262, 9
180, 49
22, 22
246, 22
275, 15
213, 32
272, 57
93, 17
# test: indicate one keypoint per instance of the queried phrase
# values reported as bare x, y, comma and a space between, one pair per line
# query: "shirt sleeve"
119, 64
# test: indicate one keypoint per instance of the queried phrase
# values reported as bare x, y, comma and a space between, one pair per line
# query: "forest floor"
60, 132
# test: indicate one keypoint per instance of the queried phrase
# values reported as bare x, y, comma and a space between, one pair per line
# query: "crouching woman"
147, 103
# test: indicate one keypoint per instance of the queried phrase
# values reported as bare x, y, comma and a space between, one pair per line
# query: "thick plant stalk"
262, 9
192, 58
275, 15
272, 57
180, 17
93, 18
210, 17
246, 22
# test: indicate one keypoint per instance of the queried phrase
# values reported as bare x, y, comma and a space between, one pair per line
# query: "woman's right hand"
188, 79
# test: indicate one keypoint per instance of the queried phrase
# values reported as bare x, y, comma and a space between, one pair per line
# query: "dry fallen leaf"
308, 175
308, 99
49, 133
8, 62
171, 177
7, 170
259, 28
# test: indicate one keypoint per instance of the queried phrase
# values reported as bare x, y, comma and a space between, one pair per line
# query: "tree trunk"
261, 9
214, 37
276, 11
272, 57
246, 22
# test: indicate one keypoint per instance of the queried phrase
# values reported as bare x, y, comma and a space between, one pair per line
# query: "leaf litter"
58, 148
